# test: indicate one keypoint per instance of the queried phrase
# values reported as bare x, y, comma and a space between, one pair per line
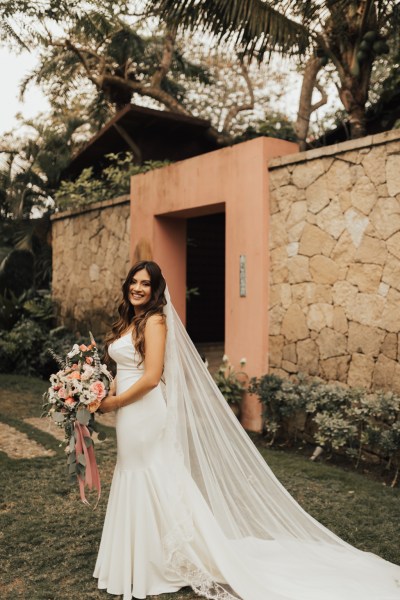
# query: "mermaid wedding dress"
192, 502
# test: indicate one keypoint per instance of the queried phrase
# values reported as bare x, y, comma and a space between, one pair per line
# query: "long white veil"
205, 441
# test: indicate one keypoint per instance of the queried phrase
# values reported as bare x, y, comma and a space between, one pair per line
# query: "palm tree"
349, 33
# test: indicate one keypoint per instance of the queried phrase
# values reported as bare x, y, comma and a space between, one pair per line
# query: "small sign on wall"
242, 275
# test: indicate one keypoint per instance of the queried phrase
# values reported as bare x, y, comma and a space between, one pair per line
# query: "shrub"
341, 420
113, 181
20, 348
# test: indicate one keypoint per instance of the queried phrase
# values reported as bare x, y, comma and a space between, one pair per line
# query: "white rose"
87, 372
75, 350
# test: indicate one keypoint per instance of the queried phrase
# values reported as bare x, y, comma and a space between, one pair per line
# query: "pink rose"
93, 406
83, 348
89, 360
62, 392
70, 401
74, 375
98, 388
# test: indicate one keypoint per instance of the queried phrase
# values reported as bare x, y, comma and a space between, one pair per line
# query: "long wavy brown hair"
127, 317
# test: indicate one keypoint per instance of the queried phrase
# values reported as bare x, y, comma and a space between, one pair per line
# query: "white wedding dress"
163, 528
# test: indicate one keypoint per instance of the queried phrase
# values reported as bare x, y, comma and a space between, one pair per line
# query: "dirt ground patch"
47, 426
17, 444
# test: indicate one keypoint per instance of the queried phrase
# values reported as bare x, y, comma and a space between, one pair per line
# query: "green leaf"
71, 458
88, 441
83, 416
82, 460
58, 417
72, 468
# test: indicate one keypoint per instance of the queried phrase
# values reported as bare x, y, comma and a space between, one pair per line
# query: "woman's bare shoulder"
155, 320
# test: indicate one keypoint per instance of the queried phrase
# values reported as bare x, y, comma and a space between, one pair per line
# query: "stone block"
385, 217
94, 272
277, 231
294, 326
292, 249
389, 346
365, 339
371, 250
367, 309
287, 195
295, 232
307, 357
275, 347
276, 314
280, 293
331, 343
335, 369
339, 176
393, 174
374, 164
315, 241
323, 269
344, 295
297, 214
309, 293
278, 265
366, 277
340, 322
279, 177
390, 319
289, 367
356, 225
298, 269
273, 202
360, 371
320, 315
363, 195
384, 373
344, 251
317, 195
305, 173
393, 245
391, 272
331, 219
289, 353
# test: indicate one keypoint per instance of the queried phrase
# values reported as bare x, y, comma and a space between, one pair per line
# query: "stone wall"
335, 262
90, 261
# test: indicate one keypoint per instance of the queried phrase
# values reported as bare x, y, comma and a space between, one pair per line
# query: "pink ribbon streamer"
92, 477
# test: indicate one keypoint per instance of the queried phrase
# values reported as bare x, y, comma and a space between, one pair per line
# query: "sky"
13, 68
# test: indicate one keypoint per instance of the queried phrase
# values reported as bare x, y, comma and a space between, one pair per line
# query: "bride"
192, 502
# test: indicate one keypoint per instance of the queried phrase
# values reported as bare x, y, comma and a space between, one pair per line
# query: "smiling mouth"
137, 296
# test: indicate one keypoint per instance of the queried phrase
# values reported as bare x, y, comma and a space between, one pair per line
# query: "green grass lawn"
49, 539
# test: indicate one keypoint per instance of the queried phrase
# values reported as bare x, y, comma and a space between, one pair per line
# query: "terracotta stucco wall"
335, 263
233, 180
90, 261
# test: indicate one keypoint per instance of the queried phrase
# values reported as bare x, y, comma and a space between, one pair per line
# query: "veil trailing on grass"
237, 531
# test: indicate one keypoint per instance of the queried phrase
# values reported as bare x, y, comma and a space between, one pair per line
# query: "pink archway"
234, 180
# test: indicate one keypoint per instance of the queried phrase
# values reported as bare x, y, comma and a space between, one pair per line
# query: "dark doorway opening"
205, 271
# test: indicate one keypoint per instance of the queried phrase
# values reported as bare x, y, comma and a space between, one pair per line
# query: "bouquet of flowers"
75, 394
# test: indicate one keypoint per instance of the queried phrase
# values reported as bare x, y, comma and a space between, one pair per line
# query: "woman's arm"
154, 338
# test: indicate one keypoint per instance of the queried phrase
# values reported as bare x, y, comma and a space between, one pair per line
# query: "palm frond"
254, 25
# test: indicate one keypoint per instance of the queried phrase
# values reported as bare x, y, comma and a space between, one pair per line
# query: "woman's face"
140, 290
